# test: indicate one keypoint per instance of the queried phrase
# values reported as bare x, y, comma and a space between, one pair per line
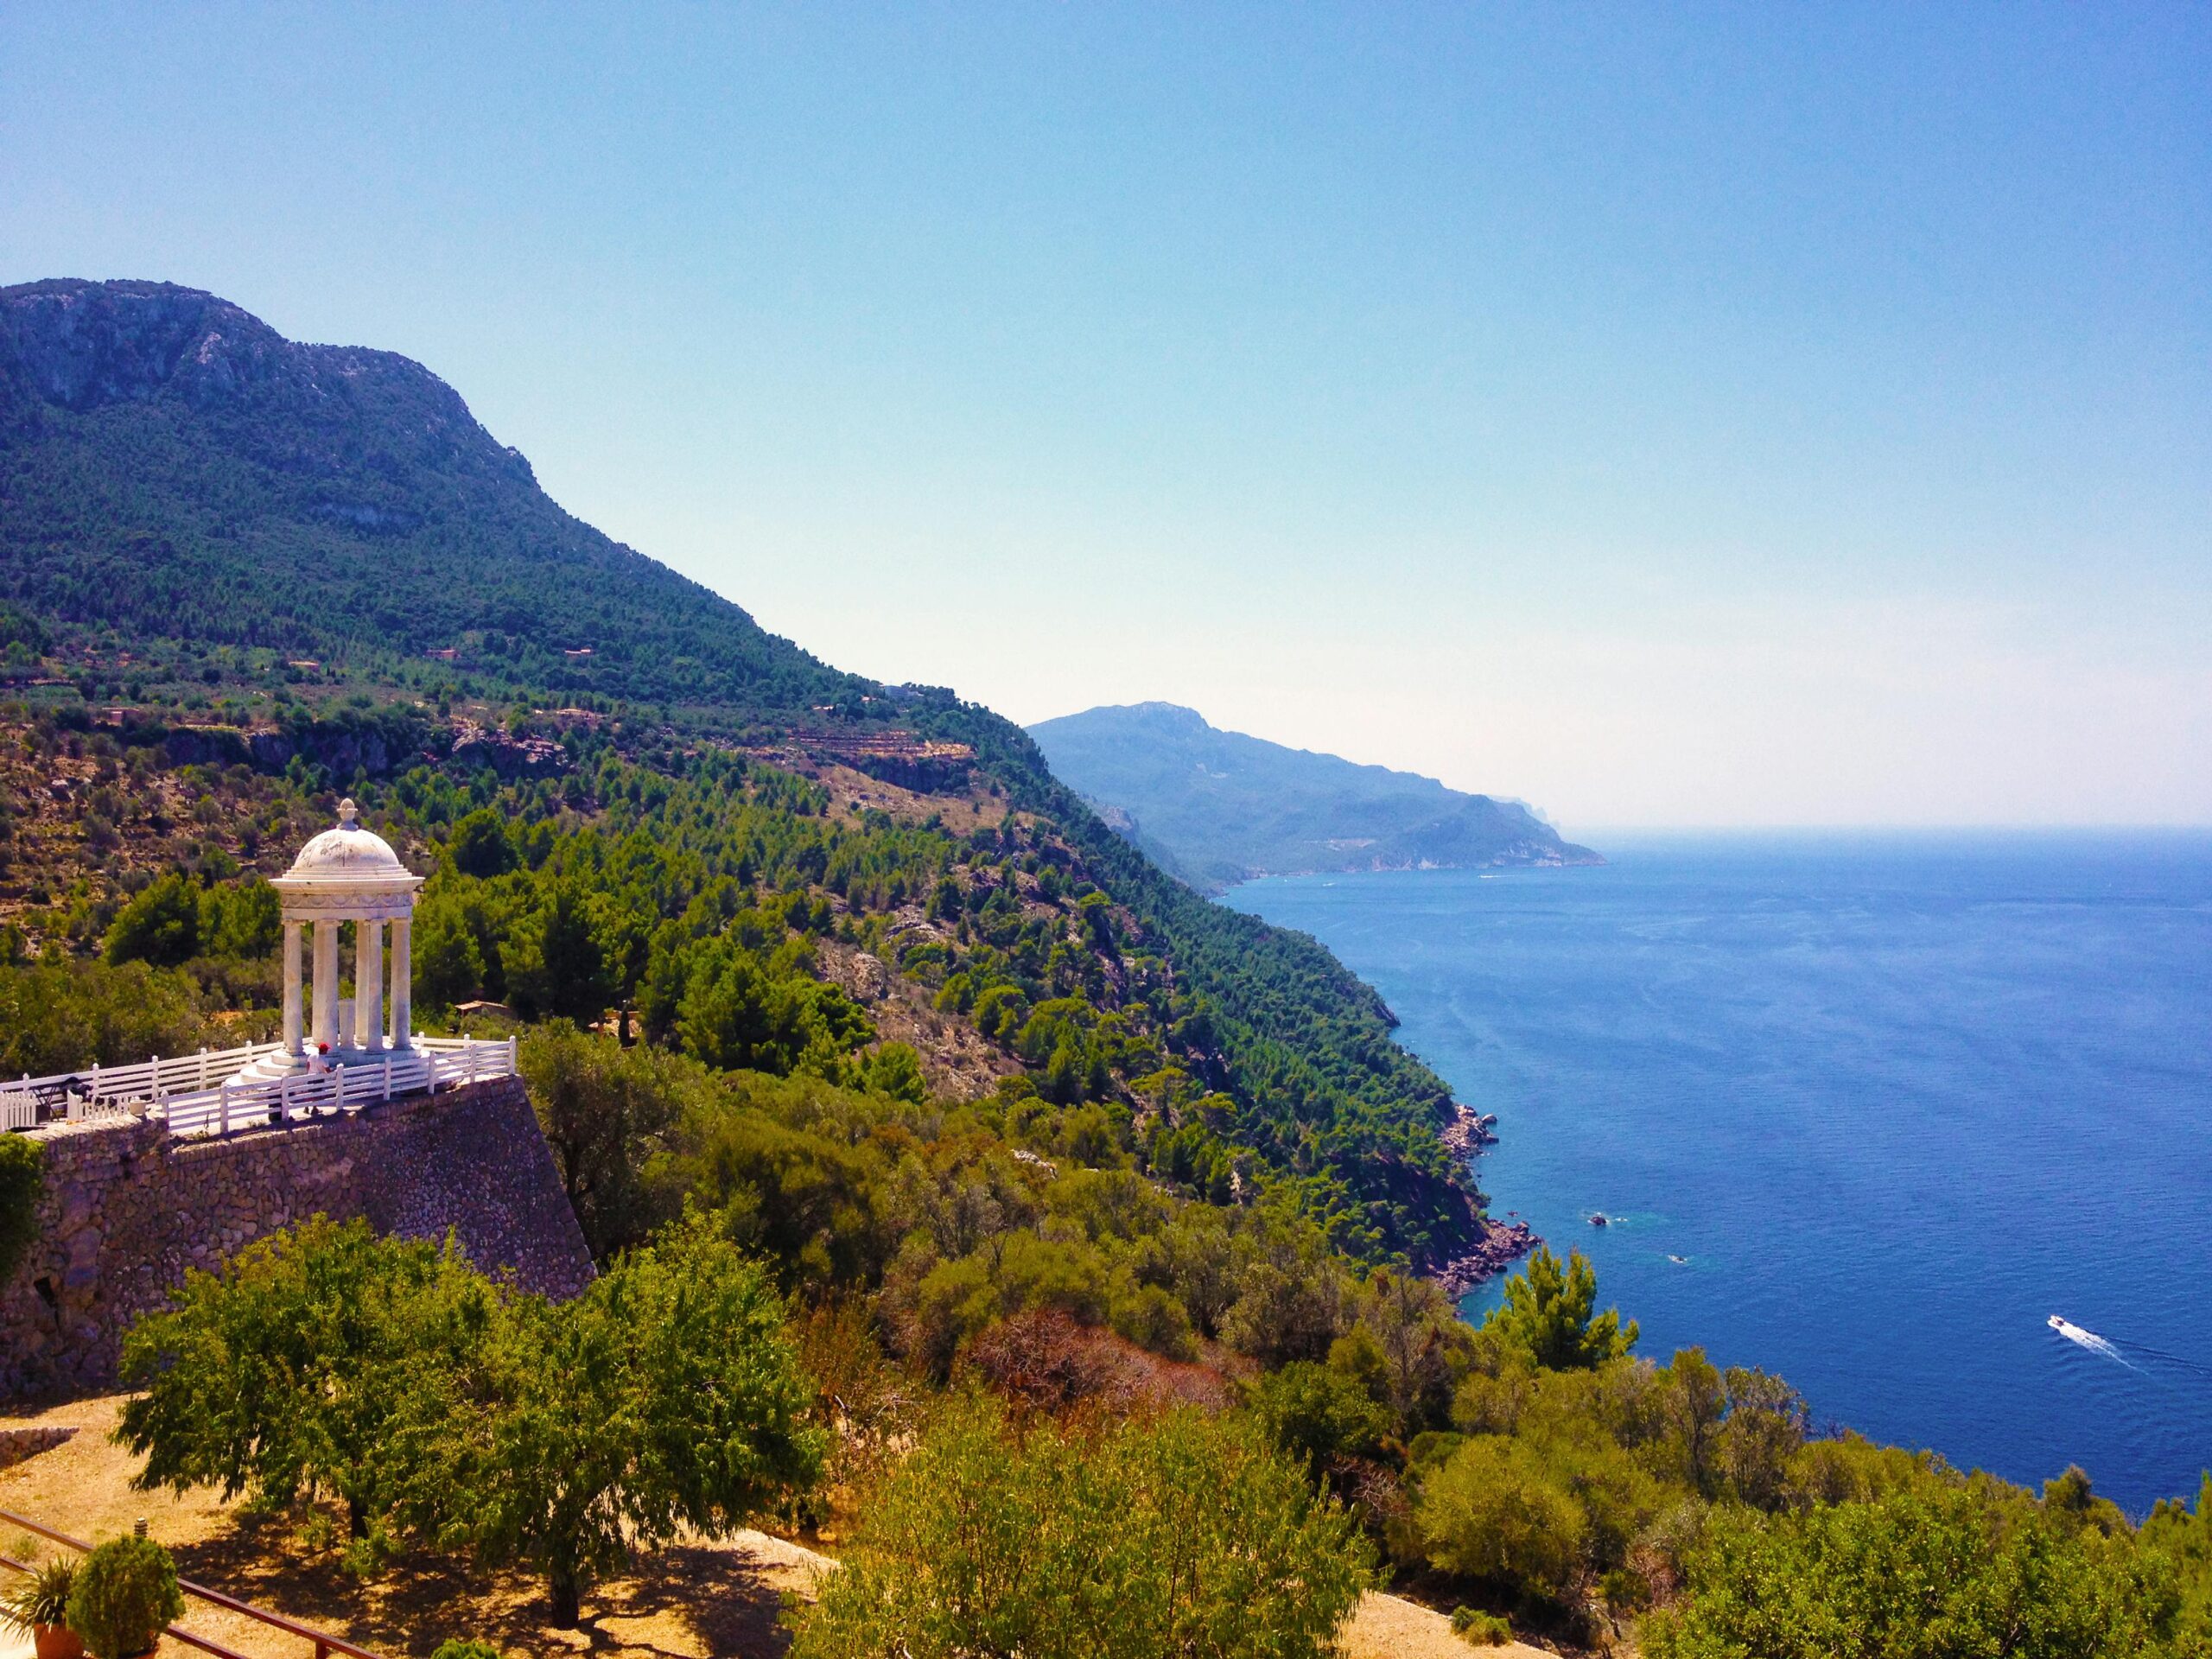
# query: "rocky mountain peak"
87, 345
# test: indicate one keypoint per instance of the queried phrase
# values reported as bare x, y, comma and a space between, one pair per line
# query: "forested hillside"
246, 551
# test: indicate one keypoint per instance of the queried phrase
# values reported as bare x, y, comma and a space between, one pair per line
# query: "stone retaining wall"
127, 1211
17, 1444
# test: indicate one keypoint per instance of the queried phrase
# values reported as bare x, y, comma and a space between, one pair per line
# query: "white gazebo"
347, 874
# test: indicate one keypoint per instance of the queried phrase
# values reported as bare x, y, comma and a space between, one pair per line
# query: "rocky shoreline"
1469, 1131
1499, 1246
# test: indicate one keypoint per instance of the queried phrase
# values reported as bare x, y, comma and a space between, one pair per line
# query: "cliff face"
195, 509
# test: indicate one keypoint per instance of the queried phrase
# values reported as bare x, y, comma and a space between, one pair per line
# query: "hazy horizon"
1715, 418
1591, 833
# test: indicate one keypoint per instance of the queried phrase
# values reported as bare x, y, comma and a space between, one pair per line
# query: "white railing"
146, 1079
434, 1062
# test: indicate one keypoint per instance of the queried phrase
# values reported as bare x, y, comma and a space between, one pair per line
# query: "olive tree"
283, 1375
664, 1398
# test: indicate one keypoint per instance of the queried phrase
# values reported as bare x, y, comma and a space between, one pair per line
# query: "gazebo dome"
349, 856
348, 874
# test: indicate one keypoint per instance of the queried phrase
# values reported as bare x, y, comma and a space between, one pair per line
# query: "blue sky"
1677, 415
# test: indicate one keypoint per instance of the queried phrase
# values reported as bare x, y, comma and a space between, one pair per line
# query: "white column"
402, 984
293, 1040
368, 985
326, 984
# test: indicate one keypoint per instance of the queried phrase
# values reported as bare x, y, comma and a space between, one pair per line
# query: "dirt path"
1387, 1627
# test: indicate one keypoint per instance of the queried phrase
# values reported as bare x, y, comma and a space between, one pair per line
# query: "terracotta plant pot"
57, 1642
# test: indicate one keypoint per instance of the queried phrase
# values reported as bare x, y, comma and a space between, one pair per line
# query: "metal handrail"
325, 1643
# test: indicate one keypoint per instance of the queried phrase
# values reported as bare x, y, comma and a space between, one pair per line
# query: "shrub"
1315, 1415
21, 1179
1494, 1513
466, 1647
1480, 1630
42, 1599
1920, 1575
125, 1596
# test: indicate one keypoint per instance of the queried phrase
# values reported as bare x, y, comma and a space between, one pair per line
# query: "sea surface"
1863, 1110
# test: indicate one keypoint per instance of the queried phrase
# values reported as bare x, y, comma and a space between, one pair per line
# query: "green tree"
160, 926
606, 1111
1189, 1536
895, 1070
481, 846
1548, 1314
243, 921
1316, 1414
554, 966
1693, 1402
448, 962
57, 1017
21, 1179
1767, 1426
282, 1376
2182, 1544
664, 1398
738, 1014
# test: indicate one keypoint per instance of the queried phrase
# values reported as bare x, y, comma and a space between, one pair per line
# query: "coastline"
1497, 1246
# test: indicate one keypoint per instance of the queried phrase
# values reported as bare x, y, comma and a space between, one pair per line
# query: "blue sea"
1864, 1110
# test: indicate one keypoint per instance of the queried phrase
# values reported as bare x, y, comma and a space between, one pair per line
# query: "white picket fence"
191, 1093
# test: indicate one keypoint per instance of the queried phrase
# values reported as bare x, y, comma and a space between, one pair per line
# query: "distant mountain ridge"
1221, 807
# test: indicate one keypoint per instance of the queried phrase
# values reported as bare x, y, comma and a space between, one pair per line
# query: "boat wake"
2128, 1353
2090, 1340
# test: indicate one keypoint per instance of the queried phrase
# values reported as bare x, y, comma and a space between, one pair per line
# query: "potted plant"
40, 1604
125, 1596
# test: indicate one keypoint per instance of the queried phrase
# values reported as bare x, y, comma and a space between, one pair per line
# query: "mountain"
1219, 807
171, 465
240, 574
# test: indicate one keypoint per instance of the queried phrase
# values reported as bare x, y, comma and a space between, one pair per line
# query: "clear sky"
1757, 414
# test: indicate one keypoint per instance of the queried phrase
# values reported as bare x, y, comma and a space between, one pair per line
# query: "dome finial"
348, 814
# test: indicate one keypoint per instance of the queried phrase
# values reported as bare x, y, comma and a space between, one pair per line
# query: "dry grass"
697, 1601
